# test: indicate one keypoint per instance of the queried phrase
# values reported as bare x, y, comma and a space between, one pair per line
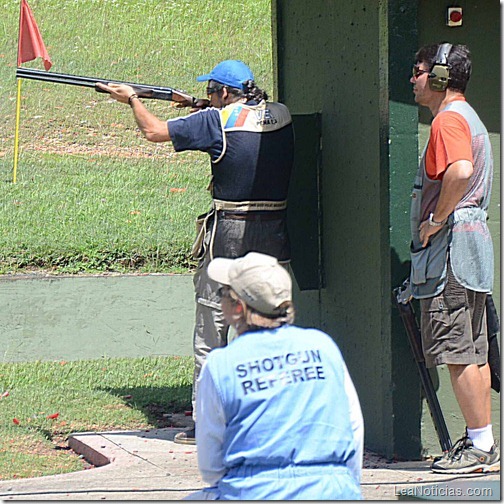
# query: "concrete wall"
332, 60
88, 317
403, 142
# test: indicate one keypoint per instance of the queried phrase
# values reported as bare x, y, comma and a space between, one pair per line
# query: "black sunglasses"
417, 71
213, 89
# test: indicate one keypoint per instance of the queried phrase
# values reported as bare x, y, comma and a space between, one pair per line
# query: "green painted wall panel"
88, 317
332, 59
403, 120
454, 420
481, 32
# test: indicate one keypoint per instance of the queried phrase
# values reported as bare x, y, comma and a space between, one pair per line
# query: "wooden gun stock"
142, 90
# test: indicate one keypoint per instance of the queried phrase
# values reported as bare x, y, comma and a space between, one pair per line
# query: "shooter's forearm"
152, 128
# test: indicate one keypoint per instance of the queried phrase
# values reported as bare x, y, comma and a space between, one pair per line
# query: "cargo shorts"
454, 327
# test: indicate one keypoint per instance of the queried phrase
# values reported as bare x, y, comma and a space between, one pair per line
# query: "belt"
249, 206
251, 216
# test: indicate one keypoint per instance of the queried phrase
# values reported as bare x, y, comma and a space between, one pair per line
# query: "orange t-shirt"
450, 141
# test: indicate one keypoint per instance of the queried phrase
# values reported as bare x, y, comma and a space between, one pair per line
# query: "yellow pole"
16, 134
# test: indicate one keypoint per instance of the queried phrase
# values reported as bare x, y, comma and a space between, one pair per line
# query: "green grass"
105, 394
91, 194
101, 214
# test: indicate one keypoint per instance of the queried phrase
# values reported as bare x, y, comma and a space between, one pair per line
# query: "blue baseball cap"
232, 73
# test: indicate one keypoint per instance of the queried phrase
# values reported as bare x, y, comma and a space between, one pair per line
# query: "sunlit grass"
101, 213
91, 194
42, 402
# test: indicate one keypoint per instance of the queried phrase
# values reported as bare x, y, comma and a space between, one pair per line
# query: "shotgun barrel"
493, 330
412, 330
142, 90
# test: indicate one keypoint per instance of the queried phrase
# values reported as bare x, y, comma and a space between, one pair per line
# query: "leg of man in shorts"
454, 333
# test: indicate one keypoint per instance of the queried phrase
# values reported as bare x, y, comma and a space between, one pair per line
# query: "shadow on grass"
156, 403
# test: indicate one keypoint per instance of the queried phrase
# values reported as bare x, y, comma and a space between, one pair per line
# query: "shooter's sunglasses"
417, 71
213, 89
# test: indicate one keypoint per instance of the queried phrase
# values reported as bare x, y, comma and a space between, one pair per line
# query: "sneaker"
187, 437
454, 449
464, 458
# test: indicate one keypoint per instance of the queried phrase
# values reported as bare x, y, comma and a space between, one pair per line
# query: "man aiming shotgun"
250, 142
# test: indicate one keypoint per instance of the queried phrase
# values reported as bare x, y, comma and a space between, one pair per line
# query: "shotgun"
402, 300
493, 330
142, 90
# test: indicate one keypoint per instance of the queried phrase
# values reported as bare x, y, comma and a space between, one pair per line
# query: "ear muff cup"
439, 75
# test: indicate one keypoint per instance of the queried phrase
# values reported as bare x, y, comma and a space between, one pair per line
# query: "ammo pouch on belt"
203, 221
429, 265
197, 250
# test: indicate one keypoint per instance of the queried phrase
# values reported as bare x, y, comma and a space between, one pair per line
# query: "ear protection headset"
440, 73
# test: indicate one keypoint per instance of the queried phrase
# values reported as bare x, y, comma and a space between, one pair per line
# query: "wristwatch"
433, 223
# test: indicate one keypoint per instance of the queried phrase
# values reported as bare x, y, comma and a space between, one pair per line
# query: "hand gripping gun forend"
180, 98
402, 299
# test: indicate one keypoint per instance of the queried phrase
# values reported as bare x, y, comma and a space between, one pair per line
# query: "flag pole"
30, 47
16, 133
18, 100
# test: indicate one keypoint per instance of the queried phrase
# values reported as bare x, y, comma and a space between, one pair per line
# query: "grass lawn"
42, 402
92, 194
91, 213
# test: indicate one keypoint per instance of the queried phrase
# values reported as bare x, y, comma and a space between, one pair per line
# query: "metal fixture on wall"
454, 16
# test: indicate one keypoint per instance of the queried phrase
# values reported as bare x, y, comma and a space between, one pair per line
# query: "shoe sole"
473, 469
190, 441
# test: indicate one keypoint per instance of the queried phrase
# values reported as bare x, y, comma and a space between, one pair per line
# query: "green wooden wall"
332, 60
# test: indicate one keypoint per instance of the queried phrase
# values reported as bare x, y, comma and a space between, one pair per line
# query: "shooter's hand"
119, 92
426, 231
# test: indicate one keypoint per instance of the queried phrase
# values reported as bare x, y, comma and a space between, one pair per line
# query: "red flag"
30, 44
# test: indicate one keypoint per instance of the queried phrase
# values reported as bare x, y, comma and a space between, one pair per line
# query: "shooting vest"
257, 154
465, 236
251, 176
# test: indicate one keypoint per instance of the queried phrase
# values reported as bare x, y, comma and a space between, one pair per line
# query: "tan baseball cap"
258, 279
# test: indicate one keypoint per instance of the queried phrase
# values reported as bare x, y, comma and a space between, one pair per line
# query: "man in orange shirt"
452, 252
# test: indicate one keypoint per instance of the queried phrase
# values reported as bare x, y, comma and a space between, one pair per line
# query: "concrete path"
148, 465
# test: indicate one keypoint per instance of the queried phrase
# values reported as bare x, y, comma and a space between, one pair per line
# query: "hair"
251, 92
459, 62
257, 321
251, 319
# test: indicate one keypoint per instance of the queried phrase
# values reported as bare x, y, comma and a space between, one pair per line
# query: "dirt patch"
164, 419
54, 146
